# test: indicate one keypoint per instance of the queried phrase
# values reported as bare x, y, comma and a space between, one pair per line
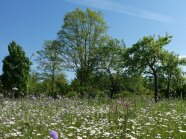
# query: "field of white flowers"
92, 119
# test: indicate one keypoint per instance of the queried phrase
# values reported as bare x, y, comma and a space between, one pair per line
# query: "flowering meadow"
131, 118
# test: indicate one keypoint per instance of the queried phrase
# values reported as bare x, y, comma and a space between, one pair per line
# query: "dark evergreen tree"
16, 68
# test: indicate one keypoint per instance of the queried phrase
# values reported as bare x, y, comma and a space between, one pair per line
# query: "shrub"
72, 94
123, 94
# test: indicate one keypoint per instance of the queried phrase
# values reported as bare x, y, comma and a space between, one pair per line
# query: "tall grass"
92, 119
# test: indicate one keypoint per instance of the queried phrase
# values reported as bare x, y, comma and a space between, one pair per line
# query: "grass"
93, 119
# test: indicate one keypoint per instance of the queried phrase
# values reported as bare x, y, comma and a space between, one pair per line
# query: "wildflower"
158, 136
53, 123
129, 136
92, 132
11, 122
38, 134
147, 124
58, 119
15, 89
78, 137
182, 131
53, 134
33, 97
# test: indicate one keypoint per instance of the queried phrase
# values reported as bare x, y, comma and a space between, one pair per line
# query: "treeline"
104, 66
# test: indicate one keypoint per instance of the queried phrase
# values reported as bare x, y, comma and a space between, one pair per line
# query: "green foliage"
111, 63
1, 86
34, 78
172, 73
136, 85
37, 86
50, 63
62, 86
15, 69
72, 94
75, 85
101, 94
103, 66
123, 94
146, 56
100, 81
183, 93
80, 35
40, 86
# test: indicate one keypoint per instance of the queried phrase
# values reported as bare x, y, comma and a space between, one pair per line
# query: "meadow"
130, 118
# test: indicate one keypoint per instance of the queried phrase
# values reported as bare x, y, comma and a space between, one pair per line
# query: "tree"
16, 68
50, 62
80, 35
171, 70
146, 56
35, 82
1, 86
38, 85
62, 86
110, 58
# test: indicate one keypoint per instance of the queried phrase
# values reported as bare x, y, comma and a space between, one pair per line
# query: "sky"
31, 22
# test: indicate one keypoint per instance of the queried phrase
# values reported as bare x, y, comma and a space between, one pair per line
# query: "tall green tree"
171, 70
16, 68
146, 56
50, 62
80, 35
110, 61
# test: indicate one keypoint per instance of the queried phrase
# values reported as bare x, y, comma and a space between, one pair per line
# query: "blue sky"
30, 22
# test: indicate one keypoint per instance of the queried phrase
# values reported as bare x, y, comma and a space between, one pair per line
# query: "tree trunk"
156, 87
113, 87
168, 89
53, 80
80, 76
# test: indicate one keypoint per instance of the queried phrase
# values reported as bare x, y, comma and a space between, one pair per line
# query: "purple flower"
53, 134
33, 97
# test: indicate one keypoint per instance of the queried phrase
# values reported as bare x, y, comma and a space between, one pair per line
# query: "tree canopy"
15, 68
146, 56
80, 35
50, 62
103, 66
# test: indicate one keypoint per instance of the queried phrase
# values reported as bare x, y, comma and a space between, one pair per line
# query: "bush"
72, 94
101, 94
123, 94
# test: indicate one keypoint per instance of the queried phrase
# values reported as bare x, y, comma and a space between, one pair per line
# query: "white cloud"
111, 5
